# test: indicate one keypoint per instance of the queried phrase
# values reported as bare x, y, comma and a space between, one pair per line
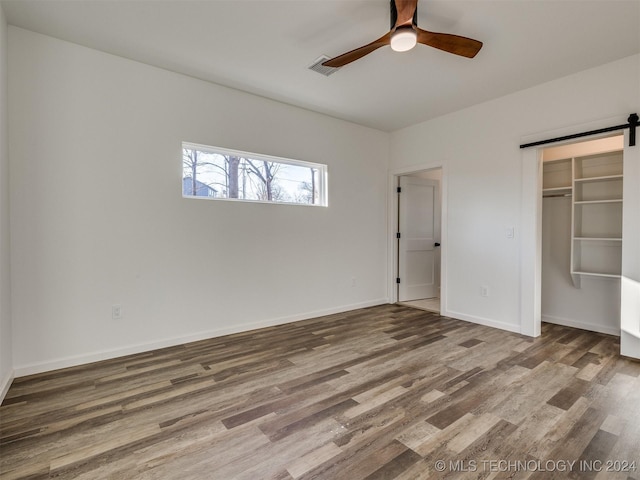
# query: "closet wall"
581, 234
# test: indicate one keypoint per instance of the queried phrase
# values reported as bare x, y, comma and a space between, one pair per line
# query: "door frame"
404, 288
531, 232
392, 229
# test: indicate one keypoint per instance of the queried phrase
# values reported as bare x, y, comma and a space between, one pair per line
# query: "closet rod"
631, 125
560, 195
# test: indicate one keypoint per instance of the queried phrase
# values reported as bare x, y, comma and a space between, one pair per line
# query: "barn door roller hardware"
631, 125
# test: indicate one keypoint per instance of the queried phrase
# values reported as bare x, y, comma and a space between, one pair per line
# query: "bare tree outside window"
223, 174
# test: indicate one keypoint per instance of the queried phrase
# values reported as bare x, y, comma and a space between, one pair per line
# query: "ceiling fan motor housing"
394, 15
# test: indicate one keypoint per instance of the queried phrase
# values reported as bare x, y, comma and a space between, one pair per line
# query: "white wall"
6, 351
97, 216
479, 148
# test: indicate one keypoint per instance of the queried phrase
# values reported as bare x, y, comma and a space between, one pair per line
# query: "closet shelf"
598, 239
586, 202
603, 178
596, 215
557, 192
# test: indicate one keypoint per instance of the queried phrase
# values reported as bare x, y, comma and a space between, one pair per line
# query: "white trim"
323, 185
253, 156
392, 247
487, 322
594, 327
531, 214
39, 367
392, 217
531, 242
630, 274
6, 384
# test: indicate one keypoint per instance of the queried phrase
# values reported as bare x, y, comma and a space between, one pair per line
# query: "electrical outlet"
353, 281
116, 312
484, 291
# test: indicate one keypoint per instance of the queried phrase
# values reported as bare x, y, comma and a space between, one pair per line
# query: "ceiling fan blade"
463, 46
406, 10
353, 55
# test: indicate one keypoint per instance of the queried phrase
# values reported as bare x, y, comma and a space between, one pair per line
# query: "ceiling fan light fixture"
404, 34
403, 39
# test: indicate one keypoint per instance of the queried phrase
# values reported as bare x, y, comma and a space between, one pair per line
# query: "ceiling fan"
404, 35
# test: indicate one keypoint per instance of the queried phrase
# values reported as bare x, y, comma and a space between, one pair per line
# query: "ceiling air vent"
318, 67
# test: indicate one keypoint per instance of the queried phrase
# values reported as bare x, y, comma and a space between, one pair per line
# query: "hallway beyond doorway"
428, 304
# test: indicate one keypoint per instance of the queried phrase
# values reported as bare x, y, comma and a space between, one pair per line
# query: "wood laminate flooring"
380, 393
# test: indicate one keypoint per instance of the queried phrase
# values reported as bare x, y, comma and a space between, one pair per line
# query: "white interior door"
419, 232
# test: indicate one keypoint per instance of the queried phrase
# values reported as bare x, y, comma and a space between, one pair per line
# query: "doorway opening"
599, 255
582, 206
418, 239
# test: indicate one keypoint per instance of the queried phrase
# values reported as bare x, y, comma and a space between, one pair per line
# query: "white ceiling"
265, 46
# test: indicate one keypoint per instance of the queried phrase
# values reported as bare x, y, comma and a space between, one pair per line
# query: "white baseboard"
72, 361
487, 322
6, 383
594, 327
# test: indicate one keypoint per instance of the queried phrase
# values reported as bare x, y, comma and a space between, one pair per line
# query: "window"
211, 172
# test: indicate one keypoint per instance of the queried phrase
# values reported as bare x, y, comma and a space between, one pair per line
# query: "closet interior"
582, 234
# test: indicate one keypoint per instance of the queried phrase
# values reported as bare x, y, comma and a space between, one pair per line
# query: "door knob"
437, 244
